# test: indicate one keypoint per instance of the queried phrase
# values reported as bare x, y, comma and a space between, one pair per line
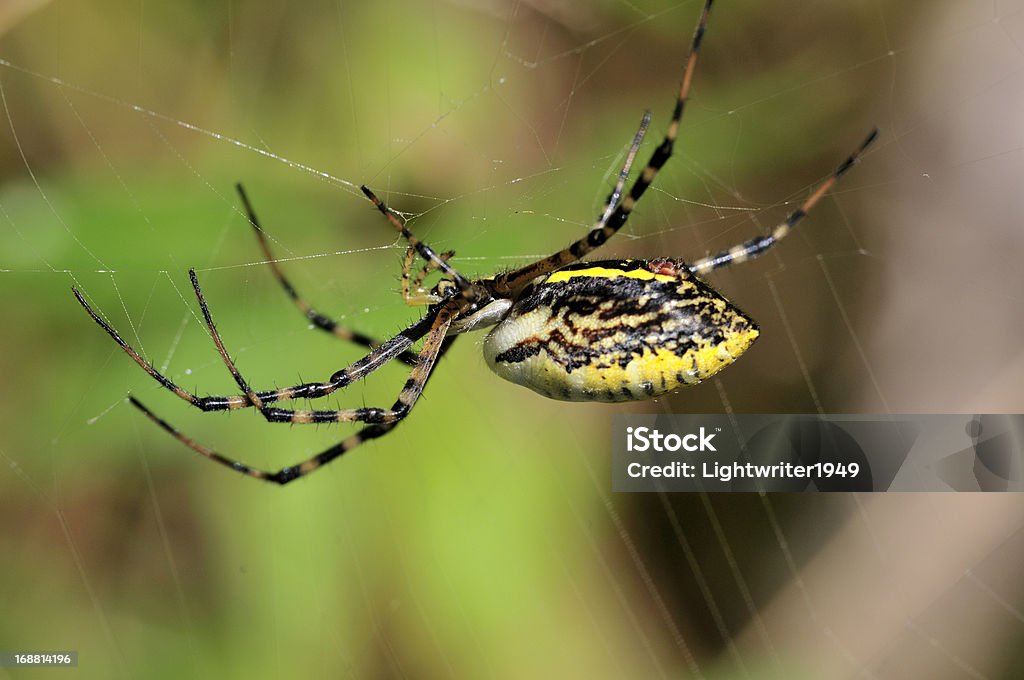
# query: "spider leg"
435, 346
511, 282
425, 251
757, 246
413, 292
305, 416
627, 166
318, 320
202, 403
383, 354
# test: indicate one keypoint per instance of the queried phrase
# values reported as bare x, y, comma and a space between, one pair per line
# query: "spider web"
481, 538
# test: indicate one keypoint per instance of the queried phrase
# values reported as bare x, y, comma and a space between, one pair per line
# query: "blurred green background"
481, 538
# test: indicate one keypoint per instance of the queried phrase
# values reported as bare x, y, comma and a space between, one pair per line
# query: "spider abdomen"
617, 330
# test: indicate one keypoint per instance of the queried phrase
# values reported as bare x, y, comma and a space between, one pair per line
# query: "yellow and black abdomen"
617, 330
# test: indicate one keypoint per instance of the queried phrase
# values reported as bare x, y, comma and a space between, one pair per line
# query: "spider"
612, 330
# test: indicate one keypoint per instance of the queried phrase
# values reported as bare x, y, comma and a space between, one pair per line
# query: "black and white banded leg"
434, 347
761, 244
318, 320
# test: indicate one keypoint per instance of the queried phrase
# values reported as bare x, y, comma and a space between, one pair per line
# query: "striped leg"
430, 348
757, 246
385, 353
434, 348
318, 320
412, 287
425, 251
627, 166
512, 282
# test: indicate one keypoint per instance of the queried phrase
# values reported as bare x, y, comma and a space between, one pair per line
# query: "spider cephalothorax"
611, 330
